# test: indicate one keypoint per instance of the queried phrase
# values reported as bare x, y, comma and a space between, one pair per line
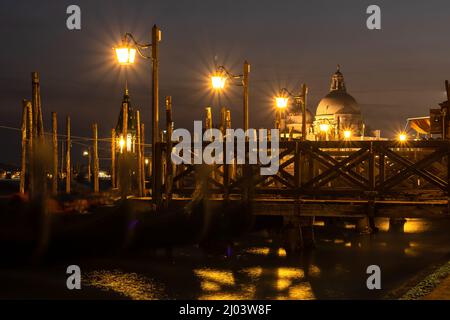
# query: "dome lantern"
337, 81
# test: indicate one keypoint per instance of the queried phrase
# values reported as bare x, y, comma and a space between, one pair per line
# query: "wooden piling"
23, 167
138, 153
125, 127
37, 108
169, 165
223, 119
95, 150
208, 118
143, 158
55, 154
304, 108
113, 158
30, 147
68, 150
123, 163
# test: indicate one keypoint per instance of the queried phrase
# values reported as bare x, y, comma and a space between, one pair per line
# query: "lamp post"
300, 100
126, 54
219, 79
281, 104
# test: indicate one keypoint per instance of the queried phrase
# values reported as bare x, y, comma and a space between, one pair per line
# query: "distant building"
338, 116
338, 112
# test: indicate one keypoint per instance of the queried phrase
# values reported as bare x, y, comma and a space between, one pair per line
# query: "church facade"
338, 115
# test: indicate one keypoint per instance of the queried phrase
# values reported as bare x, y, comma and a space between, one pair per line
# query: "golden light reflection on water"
285, 282
265, 251
414, 244
290, 273
410, 252
411, 225
313, 271
258, 251
130, 285
253, 273
210, 286
217, 276
226, 296
382, 224
282, 252
302, 291
416, 226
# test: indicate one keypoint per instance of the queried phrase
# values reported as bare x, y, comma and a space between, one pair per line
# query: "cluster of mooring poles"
39, 156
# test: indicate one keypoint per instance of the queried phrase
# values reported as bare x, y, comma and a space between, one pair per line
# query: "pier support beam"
298, 234
96, 162
113, 159
397, 225
139, 154
168, 181
307, 229
68, 150
23, 168
363, 225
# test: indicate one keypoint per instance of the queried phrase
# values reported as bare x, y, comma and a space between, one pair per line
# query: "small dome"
297, 117
338, 102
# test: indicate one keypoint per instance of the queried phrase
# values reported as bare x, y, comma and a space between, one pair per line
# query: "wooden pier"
331, 179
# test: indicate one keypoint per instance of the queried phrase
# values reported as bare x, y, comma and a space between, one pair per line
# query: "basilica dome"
338, 101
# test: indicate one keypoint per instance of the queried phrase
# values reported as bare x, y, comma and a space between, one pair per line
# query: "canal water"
255, 268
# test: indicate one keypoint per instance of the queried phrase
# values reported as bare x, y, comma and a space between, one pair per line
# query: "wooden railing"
316, 169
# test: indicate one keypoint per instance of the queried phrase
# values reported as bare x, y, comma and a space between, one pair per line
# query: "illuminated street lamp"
121, 144
299, 99
402, 137
221, 76
281, 102
126, 54
347, 134
218, 82
324, 127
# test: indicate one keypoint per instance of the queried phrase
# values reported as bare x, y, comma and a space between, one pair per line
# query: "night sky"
394, 73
